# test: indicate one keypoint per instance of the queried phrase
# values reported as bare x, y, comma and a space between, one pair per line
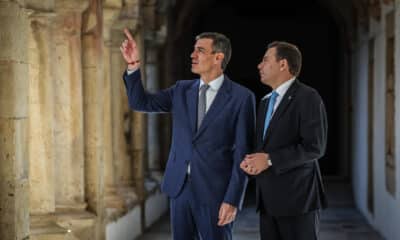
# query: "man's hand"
227, 213
129, 51
255, 163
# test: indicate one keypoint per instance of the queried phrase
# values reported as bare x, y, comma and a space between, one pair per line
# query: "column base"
113, 200
75, 207
51, 232
156, 205
127, 227
120, 202
78, 225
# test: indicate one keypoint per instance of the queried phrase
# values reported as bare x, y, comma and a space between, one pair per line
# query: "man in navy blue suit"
213, 127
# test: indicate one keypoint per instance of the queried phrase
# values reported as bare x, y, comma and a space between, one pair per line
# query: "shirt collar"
281, 89
214, 84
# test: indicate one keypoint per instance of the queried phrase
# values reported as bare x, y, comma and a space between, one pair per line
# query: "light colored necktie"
201, 107
270, 110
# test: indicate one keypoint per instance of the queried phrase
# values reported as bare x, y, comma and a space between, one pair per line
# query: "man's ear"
283, 64
219, 56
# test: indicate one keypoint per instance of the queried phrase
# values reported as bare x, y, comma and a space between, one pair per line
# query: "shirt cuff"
130, 71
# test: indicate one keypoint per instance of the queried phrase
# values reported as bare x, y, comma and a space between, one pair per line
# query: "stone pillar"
121, 120
153, 153
111, 10
93, 92
153, 130
138, 144
123, 169
69, 144
138, 122
14, 85
158, 78
122, 115
41, 114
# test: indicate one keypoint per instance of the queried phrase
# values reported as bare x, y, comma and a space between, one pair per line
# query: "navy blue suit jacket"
215, 150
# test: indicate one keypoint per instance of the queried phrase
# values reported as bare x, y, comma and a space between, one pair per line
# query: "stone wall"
73, 157
375, 117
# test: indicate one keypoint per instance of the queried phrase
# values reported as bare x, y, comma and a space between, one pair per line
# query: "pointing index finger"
128, 34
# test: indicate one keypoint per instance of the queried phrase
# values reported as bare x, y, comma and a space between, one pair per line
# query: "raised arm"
139, 98
129, 51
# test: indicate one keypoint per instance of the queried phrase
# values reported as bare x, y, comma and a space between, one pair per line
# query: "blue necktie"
271, 104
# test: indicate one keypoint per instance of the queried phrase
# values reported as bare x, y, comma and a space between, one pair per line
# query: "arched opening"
309, 24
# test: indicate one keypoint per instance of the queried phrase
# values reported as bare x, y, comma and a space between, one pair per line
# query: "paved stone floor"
341, 221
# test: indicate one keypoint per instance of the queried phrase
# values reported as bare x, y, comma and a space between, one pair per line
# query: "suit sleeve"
244, 136
312, 137
140, 100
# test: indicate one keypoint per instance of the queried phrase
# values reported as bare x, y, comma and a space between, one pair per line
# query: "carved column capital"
111, 11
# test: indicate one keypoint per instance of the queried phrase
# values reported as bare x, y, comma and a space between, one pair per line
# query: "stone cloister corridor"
77, 164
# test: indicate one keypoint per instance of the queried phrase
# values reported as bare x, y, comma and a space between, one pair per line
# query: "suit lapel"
192, 95
262, 109
217, 105
285, 102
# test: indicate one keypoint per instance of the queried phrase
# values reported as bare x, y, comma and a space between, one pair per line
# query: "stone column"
14, 85
138, 144
41, 114
120, 113
131, 17
124, 163
69, 144
93, 92
121, 120
153, 129
136, 131
111, 10
153, 153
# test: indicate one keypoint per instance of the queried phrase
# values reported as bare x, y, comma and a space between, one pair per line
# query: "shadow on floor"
341, 221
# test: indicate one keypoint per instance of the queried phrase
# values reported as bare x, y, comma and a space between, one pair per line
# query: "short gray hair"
220, 44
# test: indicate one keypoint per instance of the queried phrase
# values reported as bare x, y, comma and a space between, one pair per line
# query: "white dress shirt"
130, 71
281, 90
212, 91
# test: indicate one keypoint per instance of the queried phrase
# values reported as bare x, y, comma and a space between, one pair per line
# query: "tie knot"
274, 95
204, 87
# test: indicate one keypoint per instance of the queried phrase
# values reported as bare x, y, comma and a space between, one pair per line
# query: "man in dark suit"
213, 124
291, 133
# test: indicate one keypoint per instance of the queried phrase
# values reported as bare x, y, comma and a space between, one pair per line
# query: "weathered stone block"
71, 5
14, 25
13, 89
14, 210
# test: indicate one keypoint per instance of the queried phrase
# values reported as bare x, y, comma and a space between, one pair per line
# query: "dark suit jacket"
295, 140
215, 150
